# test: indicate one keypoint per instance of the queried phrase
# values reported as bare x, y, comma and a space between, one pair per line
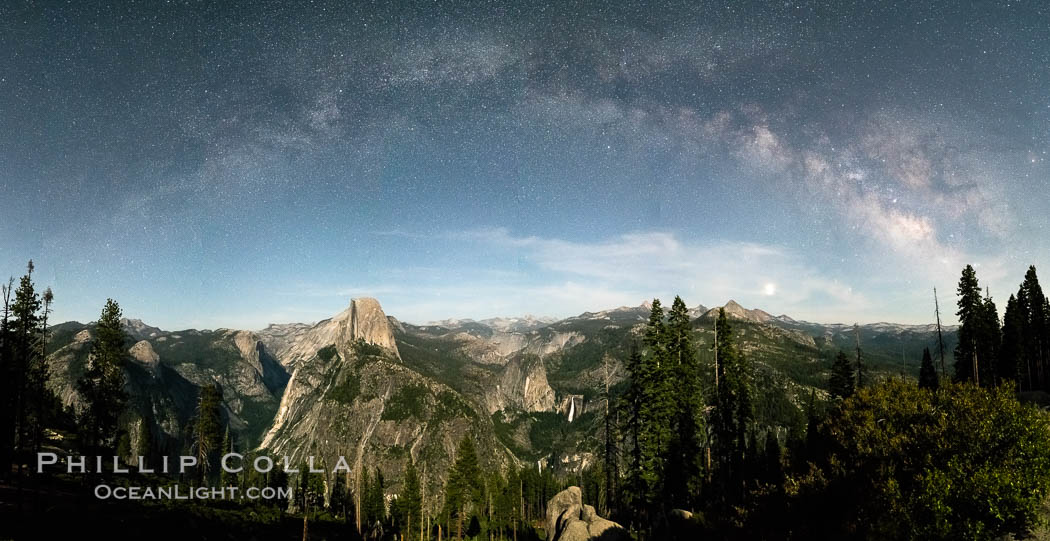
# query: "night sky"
235, 164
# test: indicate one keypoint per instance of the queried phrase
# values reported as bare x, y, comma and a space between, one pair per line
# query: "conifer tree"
685, 449
927, 372
25, 347
364, 491
463, 488
1035, 332
8, 385
24, 324
633, 403
207, 426
989, 344
971, 312
862, 369
339, 501
228, 478
773, 468
734, 410
656, 409
1011, 353
374, 505
102, 385
411, 501
611, 455
840, 385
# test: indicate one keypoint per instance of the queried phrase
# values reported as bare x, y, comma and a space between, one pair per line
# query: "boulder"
568, 519
678, 524
574, 530
562, 507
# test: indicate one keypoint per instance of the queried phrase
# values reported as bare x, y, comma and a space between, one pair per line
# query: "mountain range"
529, 390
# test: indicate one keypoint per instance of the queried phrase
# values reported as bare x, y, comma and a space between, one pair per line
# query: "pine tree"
633, 403
8, 385
229, 479
463, 488
1011, 352
840, 385
927, 373
207, 430
656, 411
364, 501
773, 468
611, 455
26, 357
652, 400
862, 369
989, 344
339, 501
411, 501
1035, 332
971, 312
102, 385
375, 500
686, 447
733, 411
24, 324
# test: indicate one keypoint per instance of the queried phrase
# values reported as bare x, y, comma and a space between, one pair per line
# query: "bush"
899, 462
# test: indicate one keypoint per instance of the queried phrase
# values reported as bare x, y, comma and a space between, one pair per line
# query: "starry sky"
232, 164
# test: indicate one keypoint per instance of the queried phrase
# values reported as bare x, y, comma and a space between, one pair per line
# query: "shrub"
897, 461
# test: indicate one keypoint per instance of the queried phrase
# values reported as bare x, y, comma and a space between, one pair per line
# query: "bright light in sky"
770, 289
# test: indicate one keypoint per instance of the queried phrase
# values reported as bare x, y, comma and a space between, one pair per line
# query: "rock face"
362, 320
568, 519
143, 352
369, 323
167, 370
523, 385
734, 310
366, 405
571, 406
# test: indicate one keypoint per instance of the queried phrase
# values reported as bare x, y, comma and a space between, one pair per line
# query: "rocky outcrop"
143, 353
734, 310
139, 330
369, 323
259, 360
166, 370
555, 342
568, 519
367, 406
523, 386
362, 320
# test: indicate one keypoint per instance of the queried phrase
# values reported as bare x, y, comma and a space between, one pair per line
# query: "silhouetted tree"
971, 312
685, 450
207, 430
1034, 305
733, 412
102, 384
1011, 353
840, 385
927, 372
